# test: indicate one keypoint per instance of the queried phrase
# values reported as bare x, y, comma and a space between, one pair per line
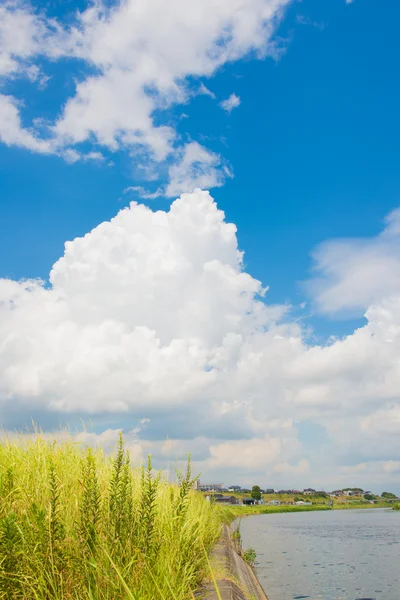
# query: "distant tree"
369, 497
388, 495
256, 492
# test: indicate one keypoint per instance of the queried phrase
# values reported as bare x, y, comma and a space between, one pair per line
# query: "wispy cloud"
303, 20
349, 275
230, 103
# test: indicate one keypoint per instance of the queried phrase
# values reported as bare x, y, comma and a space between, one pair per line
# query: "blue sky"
313, 146
306, 166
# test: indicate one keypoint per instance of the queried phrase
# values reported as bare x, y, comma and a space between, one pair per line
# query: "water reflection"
335, 555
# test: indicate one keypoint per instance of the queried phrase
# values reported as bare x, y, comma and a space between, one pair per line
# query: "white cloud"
21, 33
141, 56
392, 467
230, 103
196, 168
352, 274
12, 133
141, 192
71, 156
151, 315
246, 454
205, 91
303, 467
303, 20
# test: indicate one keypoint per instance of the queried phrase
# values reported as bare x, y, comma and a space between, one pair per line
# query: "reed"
75, 524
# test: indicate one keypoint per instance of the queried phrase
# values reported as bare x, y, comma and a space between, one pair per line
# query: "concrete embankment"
235, 578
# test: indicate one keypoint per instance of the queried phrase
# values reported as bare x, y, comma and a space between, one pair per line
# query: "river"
330, 555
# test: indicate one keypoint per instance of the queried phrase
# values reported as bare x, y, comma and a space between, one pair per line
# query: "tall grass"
75, 524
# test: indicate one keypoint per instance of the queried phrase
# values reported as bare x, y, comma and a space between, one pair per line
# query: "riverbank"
232, 577
260, 509
362, 505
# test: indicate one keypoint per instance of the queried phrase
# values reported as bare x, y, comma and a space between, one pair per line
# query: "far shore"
243, 501
261, 509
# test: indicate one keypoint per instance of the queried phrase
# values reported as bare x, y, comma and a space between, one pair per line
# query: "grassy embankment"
360, 504
317, 503
396, 506
75, 524
238, 511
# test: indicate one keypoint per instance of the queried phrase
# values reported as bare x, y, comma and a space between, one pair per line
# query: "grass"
237, 511
75, 524
358, 505
396, 506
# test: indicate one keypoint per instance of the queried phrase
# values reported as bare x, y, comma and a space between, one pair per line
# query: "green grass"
260, 509
237, 510
77, 525
396, 506
358, 505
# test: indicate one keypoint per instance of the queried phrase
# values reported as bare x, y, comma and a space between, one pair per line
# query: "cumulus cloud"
352, 274
230, 103
140, 58
152, 316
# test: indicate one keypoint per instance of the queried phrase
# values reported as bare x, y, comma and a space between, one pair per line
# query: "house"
248, 502
226, 499
308, 492
353, 492
269, 491
273, 503
234, 488
209, 487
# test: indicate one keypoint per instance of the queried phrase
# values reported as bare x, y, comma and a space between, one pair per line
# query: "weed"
250, 556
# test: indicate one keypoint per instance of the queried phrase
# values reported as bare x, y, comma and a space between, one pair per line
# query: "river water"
331, 555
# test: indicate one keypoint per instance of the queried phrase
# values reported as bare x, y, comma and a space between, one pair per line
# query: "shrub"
250, 556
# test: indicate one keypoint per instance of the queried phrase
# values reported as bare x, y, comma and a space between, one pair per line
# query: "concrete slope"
238, 581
